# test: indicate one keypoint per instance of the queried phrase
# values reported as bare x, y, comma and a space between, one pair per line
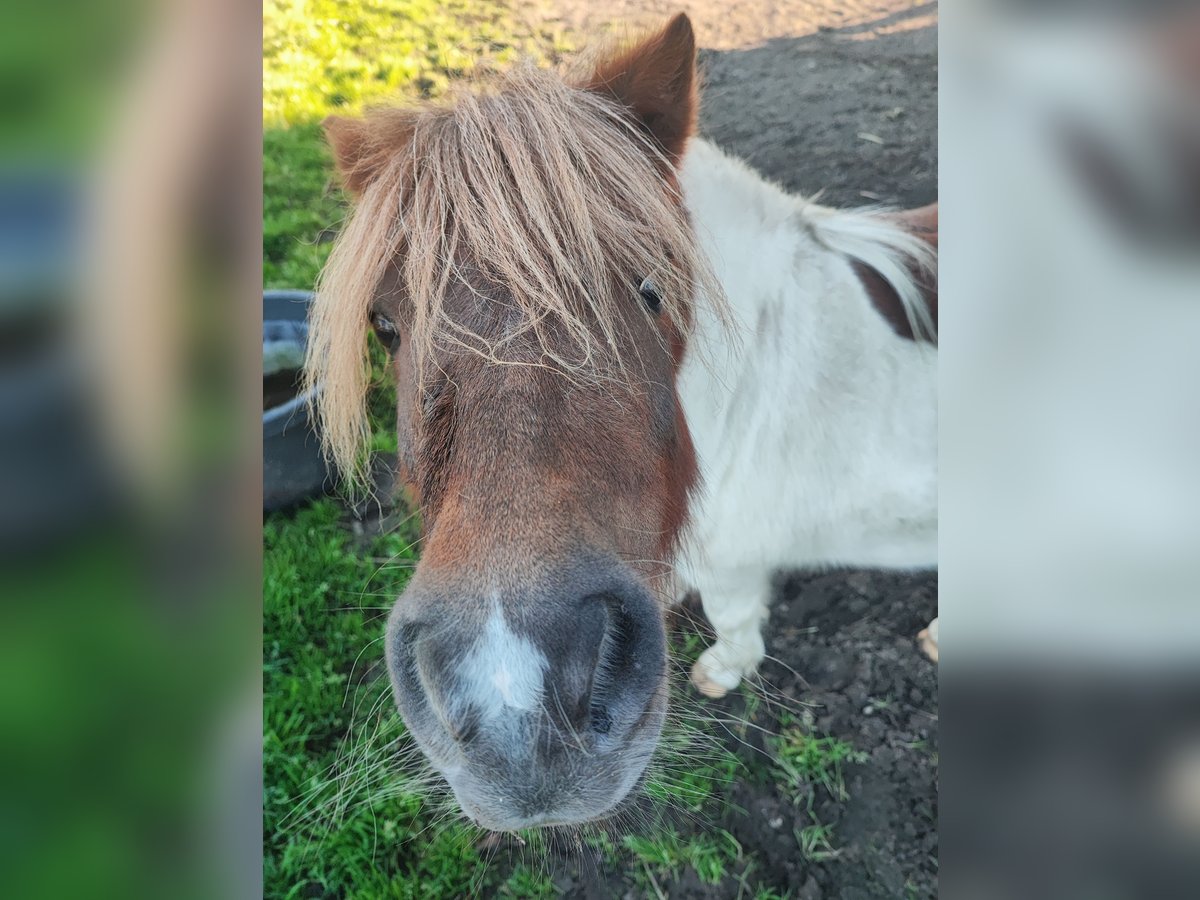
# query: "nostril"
629, 662
620, 644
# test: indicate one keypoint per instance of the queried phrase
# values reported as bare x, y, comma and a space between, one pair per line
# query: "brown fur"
656, 79
923, 223
505, 233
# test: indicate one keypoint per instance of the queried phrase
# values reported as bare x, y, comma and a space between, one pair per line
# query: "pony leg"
929, 640
736, 614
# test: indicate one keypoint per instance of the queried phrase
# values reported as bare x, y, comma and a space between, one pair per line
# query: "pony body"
814, 423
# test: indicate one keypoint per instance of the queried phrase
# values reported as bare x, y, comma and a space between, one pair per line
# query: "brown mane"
555, 192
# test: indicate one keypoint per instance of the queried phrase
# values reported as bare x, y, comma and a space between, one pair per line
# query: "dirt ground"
842, 642
837, 97
840, 645
830, 96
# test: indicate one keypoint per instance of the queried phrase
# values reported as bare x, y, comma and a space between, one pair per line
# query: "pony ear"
351, 145
656, 80
363, 147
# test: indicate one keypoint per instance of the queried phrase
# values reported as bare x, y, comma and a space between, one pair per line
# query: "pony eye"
385, 331
651, 294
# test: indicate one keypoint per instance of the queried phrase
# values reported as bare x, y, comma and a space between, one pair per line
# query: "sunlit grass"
322, 56
337, 56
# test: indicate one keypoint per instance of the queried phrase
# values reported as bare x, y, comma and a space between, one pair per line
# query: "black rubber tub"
293, 470
56, 478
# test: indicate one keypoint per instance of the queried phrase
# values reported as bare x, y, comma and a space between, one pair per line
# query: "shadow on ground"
843, 112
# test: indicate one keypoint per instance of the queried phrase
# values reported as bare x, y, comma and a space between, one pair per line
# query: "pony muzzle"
539, 707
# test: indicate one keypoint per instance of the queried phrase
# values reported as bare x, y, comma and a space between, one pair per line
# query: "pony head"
523, 253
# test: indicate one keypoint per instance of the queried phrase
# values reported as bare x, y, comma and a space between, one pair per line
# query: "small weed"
753, 700
816, 842
711, 856
686, 647
661, 853
666, 854
805, 758
750, 888
602, 842
525, 884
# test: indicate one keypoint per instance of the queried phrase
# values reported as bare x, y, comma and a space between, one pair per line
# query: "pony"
627, 368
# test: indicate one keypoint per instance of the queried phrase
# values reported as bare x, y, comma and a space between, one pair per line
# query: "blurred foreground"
1070, 449
129, 516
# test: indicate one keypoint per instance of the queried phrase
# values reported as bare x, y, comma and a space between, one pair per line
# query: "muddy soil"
843, 646
842, 657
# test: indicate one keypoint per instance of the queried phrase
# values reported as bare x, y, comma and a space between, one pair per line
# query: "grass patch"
805, 762
321, 56
668, 853
524, 884
337, 56
816, 842
803, 758
690, 770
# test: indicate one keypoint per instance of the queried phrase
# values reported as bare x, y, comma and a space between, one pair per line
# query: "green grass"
804, 758
337, 56
816, 842
690, 770
769, 893
326, 55
527, 885
665, 854
805, 762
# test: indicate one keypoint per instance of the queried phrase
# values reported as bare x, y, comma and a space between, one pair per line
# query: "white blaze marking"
503, 669
502, 679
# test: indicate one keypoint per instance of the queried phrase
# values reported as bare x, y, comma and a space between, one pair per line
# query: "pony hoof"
928, 639
714, 685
